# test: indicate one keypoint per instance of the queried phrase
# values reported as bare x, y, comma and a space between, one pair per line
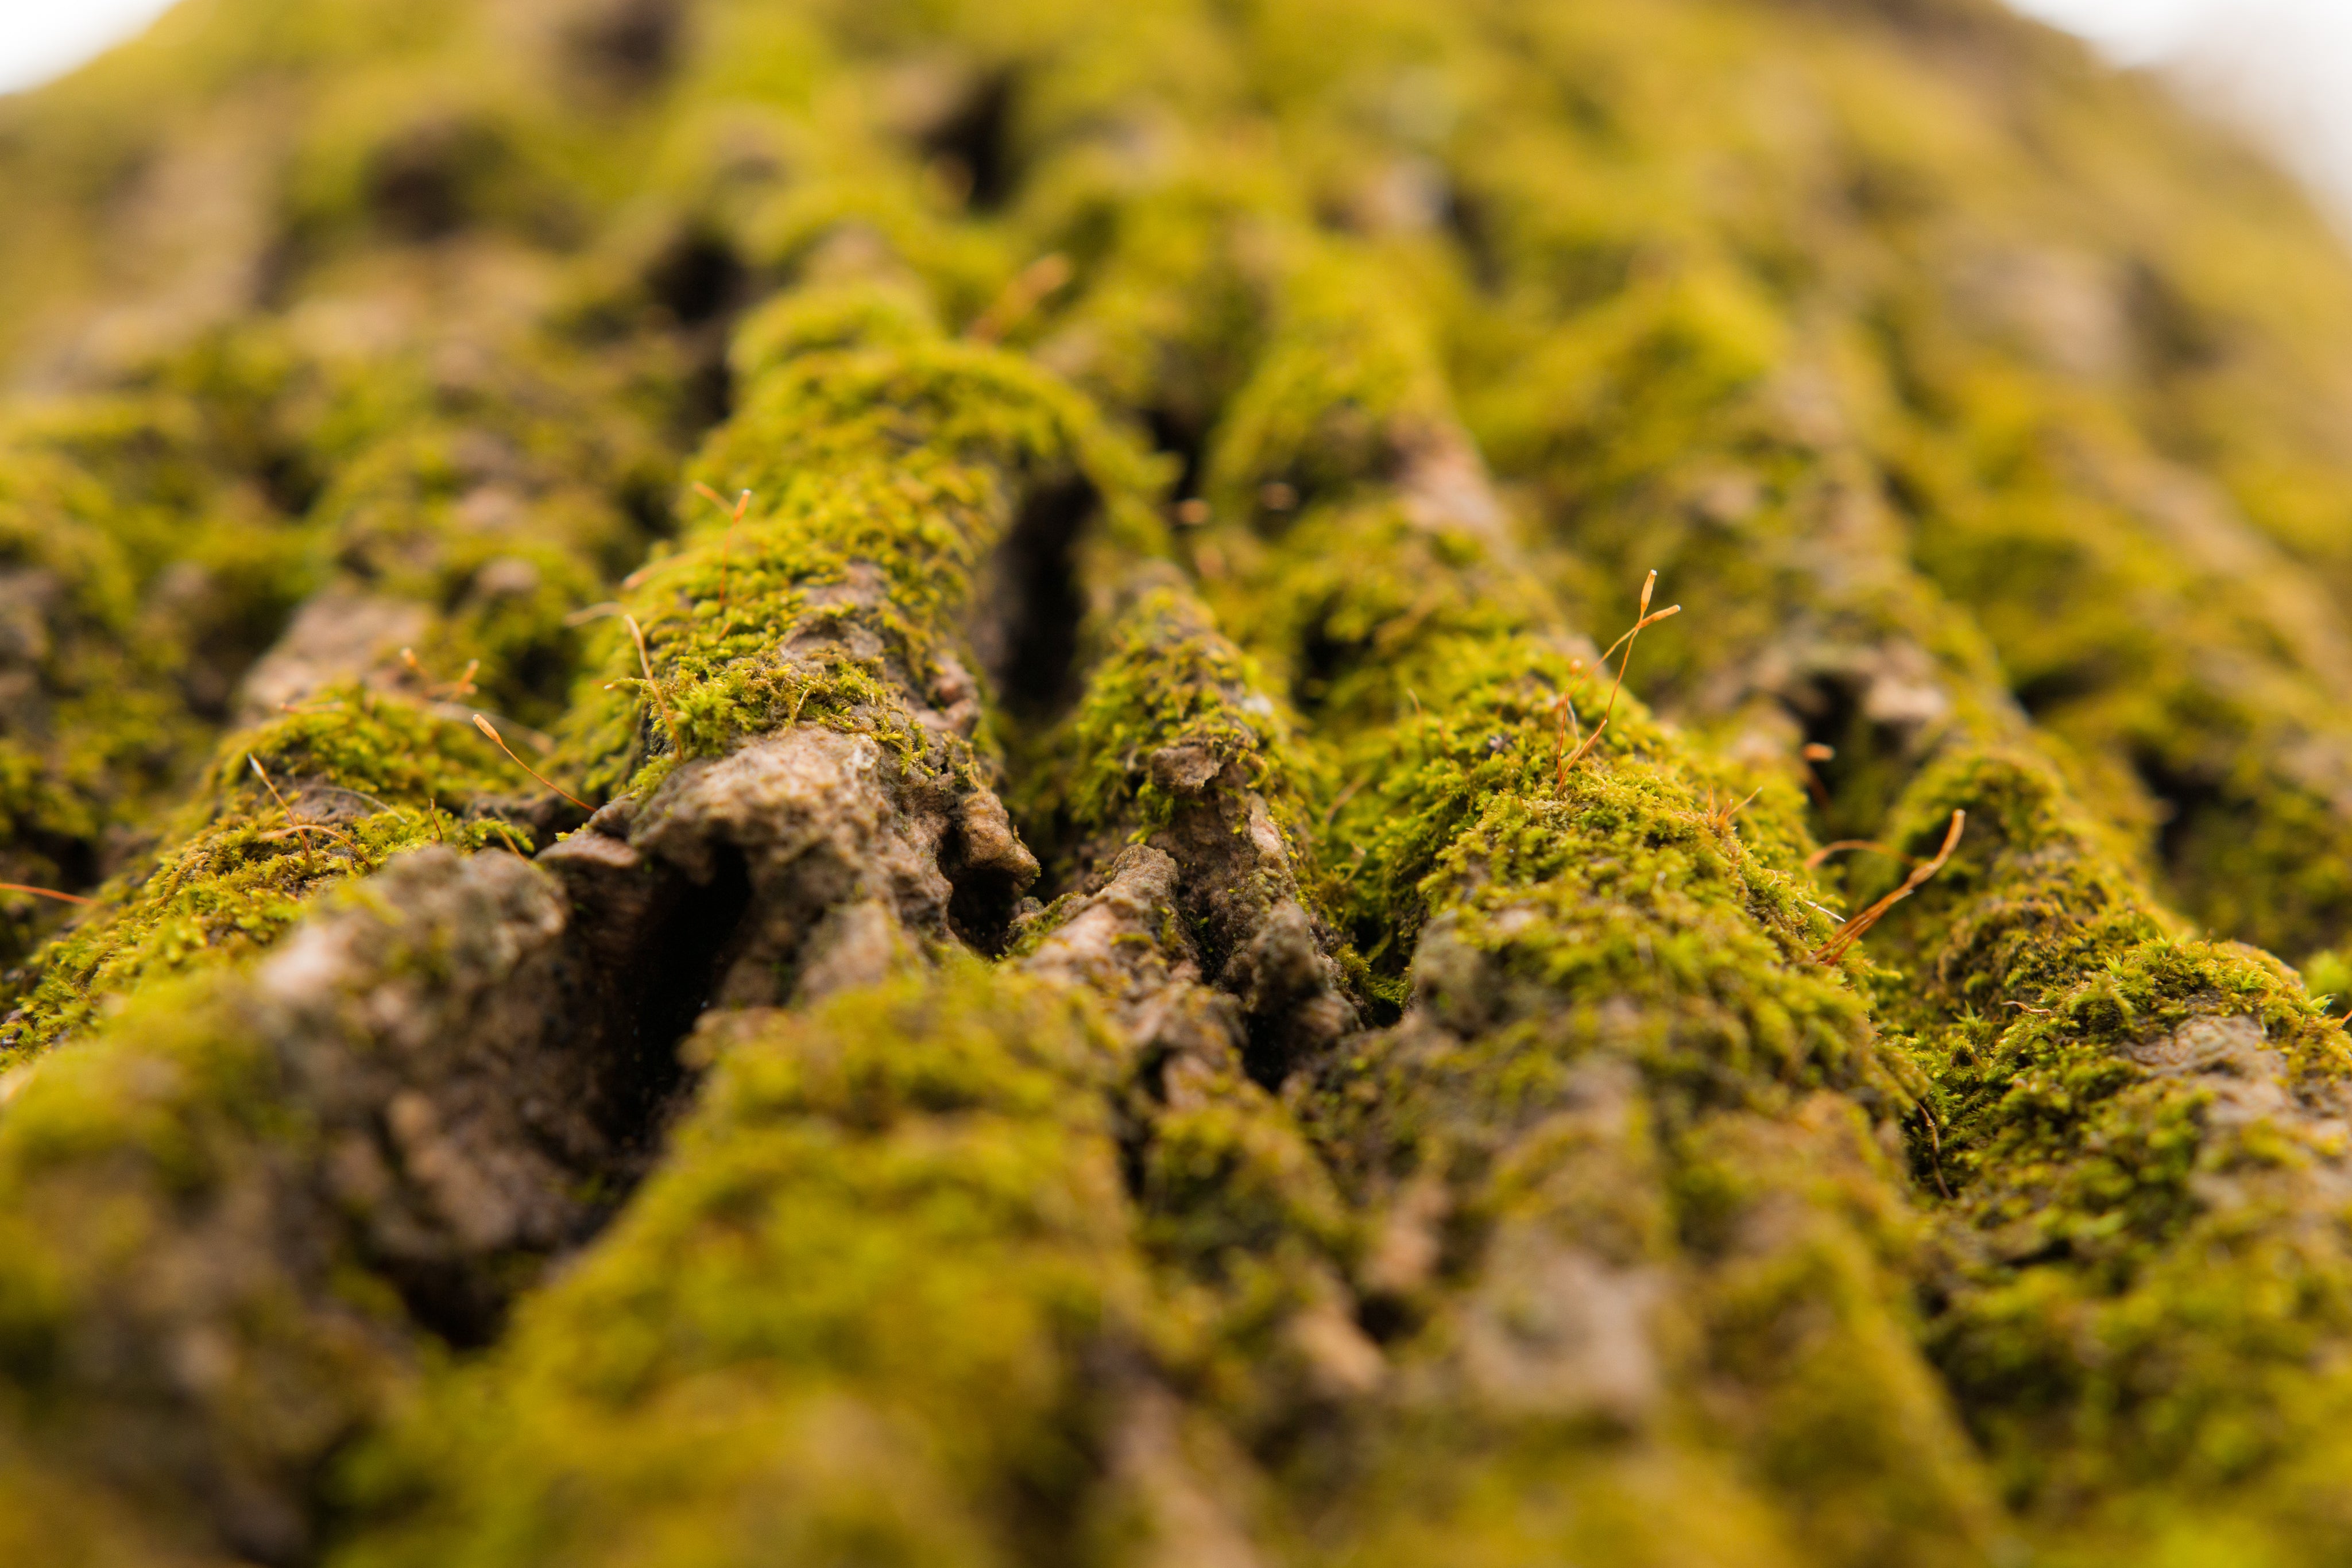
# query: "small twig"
1644, 618
646, 663
2021, 1006
1814, 862
432, 815
727, 548
44, 892
461, 713
1852, 930
498, 740
310, 856
1029, 288
592, 612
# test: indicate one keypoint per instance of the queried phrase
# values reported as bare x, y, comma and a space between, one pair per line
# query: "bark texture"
853, 784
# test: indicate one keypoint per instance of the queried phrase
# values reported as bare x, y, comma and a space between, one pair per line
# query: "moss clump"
474, 507
863, 1308
881, 479
1592, 947
377, 776
237, 1216
2131, 1122
1174, 746
1170, 705
141, 577
1986, 420
2143, 620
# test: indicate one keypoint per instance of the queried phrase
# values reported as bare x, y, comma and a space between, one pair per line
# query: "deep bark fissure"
1030, 606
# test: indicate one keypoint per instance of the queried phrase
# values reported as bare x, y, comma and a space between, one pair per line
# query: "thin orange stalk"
1563, 718
1846, 935
498, 740
1644, 618
727, 548
1720, 818
44, 892
646, 663
1027, 290
304, 830
507, 833
310, 856
1818, 857
440, 690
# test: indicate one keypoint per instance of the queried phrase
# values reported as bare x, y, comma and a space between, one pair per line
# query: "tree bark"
812, 784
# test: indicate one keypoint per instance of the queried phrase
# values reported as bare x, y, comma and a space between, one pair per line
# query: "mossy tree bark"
841, 784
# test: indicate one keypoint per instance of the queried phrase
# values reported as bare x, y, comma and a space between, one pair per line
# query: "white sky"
2135, 31
42, 39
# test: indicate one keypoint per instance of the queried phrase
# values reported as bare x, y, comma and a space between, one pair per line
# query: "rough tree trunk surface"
1097, 974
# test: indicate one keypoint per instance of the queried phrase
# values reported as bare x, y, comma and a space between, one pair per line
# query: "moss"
108, 1154
2125, 1121
1167, 679
379, 775
857, 1312
1814, 1324
239, 1214
1985, 416
1174, 745
490, 496
1170, 303
1404, 638
1321, 412
881, 479
141, 574
2118, 589
1731, 378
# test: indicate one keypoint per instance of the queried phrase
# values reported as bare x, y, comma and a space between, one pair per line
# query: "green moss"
2129, 1303
140, 576
379, 774
2157, 633
881, 477
1893, 335
1166, 678
492, 495
859, 1311
1171, 298
126, 1166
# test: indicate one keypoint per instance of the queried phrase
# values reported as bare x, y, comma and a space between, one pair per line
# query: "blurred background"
2280, 68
